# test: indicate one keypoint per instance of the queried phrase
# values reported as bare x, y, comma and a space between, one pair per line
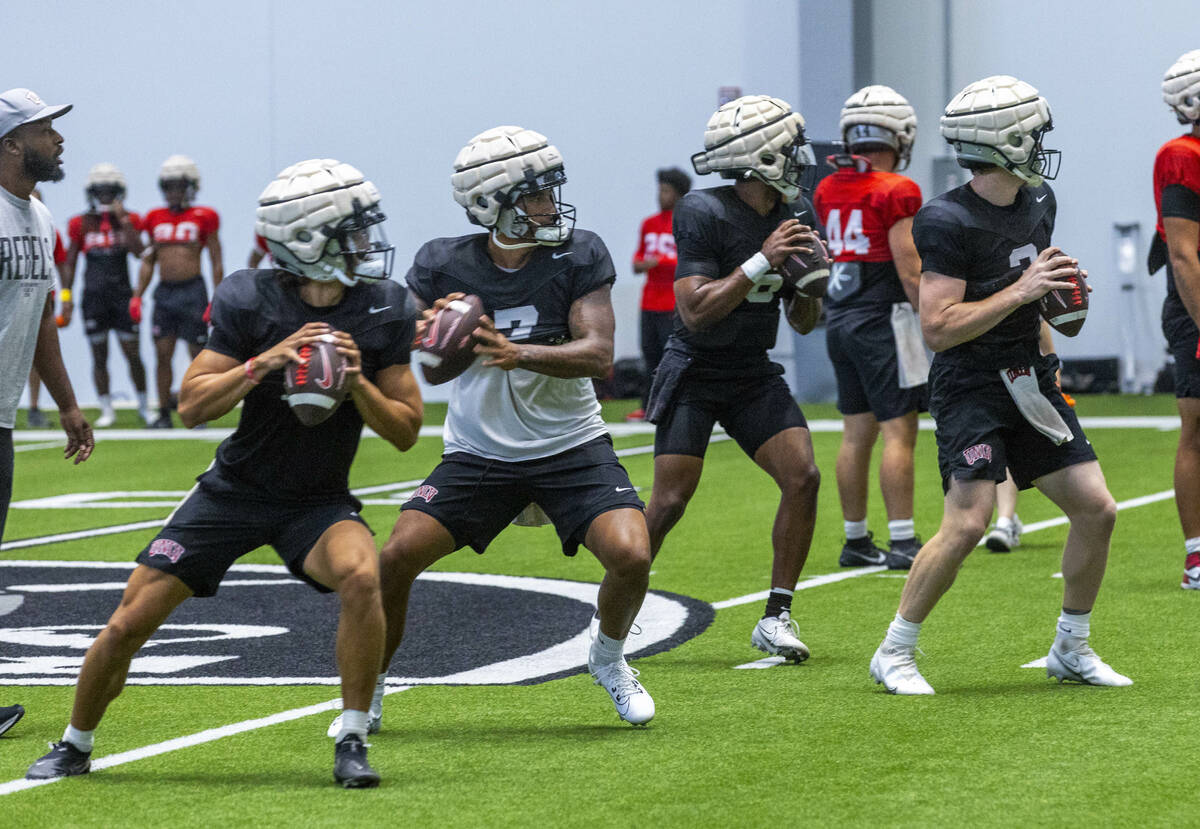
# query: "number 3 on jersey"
850, 238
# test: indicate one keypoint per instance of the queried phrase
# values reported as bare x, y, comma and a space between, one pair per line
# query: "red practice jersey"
100, 237
656, 240
1177, 162
858, 206
60, 250
191, 226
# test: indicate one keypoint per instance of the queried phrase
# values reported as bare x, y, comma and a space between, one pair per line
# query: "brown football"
315, 389
447, 349
1066, 308
807, 273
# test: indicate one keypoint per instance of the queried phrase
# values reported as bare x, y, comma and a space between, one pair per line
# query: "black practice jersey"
272, 455
530, 305
962, 235
715, 232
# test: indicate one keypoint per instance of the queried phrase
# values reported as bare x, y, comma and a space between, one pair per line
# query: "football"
447, 349
315, 389
1066, 308
807, 273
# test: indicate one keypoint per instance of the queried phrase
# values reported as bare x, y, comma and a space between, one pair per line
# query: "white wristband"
756, 267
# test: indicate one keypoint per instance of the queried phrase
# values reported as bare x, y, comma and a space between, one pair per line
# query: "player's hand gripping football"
288, 350
790, 237
349, 349
499, 350
1047, 273
429, 313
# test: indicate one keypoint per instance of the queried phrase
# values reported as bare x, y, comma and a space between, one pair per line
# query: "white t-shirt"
26, 278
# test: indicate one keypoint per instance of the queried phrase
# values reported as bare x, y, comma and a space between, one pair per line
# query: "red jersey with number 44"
1177, 162
657, 242
191, 226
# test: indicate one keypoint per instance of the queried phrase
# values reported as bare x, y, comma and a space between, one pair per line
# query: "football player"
655, 257
729, 241
872, 331
107, 234
1177, 197
986, 258
276, 481
178, 233
523, 433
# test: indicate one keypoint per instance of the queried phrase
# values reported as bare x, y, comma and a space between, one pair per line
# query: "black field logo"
266, 628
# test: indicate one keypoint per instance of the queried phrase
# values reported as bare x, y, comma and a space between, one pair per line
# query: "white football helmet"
759, 136
879, 116
180, 168
322, 221
1181, 87
104, 176
1001, 121
496, 169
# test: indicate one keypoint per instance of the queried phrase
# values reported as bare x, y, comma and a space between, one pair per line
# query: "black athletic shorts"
752, 409
475, 498
179, 310
106, 308
6, 475
210, 530
1182, 338
980, 431
862, 348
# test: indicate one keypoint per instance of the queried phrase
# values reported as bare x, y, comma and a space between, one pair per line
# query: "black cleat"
63, 760
902, 553
861, 552
9, 715
350, 767
163, 422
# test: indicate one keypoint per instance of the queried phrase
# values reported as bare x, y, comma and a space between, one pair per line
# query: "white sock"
106, 402
1192, 545
82, 740
353, 722
901, 530
855, 529
1003, 522
377, 697
1073, 629
605, 650
141, 398
902, 633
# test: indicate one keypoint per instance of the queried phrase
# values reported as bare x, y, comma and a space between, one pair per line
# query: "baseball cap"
20, 106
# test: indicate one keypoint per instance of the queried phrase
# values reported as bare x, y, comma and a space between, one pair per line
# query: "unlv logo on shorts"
425, 492
979, 450
1014, 373
167, 548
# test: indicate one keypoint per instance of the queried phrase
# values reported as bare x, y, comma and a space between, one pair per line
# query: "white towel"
910, 346
532, 516
1022, 385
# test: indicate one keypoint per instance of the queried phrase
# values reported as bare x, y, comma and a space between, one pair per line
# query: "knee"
630, 562
360, 584
126, 635
667, 503
802, 481
965, 533
1101, 512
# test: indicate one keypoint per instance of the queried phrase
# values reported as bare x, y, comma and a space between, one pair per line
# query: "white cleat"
896, 670
1191, 572
1004, 539
1081, 664
633, 703
777, 635
374, 724
107, 418
146, 416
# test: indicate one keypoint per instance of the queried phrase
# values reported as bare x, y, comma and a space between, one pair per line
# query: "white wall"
245, 88
1100, 64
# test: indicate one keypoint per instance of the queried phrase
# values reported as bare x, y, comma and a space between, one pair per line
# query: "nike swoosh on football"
561, 255
374, 310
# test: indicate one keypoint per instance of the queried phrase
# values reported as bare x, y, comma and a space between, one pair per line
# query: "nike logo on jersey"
374, 310
1041, 198
624, 489
561, 255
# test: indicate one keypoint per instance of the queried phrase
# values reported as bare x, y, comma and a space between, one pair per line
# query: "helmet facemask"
357, 248
515, 222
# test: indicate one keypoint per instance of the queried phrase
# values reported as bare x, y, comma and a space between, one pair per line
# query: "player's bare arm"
66, 276
47, 359
145, 274
702, 302
588, 354
131, 237
214, 382
213, 246
1183, 236
947, 321
906, 259
391, 405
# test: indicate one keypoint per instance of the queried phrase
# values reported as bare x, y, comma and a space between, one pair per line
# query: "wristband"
64, 294
250, 371
756, 267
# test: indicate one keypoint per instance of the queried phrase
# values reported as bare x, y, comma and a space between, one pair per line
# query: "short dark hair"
676, 178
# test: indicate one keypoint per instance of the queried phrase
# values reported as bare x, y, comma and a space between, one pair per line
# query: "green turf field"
816, 744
